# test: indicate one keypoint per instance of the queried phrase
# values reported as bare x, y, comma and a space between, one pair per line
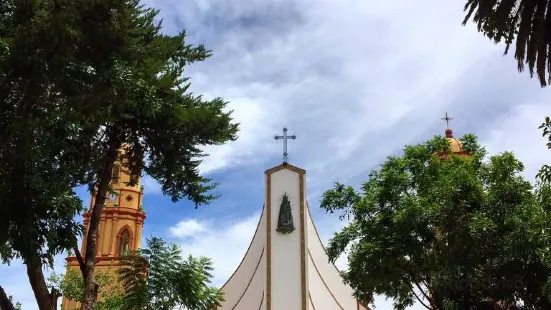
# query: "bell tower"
121, 223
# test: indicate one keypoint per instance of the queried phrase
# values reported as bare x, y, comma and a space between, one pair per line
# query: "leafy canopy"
524, 23
460, 233
156, 277
78, 78
71, 284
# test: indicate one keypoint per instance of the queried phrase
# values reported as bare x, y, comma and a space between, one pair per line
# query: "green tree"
71, 285
522, 22
39, 161
156, 277
544, 175
460, 233
79, 78
6, 302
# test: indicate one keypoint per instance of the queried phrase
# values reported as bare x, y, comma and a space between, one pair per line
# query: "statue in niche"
285, 223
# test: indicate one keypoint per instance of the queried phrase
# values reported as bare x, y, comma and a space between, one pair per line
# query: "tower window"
124, 242
116, 174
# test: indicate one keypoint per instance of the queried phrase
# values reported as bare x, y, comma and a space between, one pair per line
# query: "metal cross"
285, 137
447, 119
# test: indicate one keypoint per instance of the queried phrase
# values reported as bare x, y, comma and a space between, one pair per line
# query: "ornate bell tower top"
122, 216
121, 223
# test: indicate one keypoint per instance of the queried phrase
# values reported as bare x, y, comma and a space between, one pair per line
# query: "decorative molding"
115, 259
248, 249
323, 281
120, 211
301, 173
261, 301
325, 250
285, 166
319, 238
112, 239
311, 301
268, 241
250, 280
302, 242
130, 235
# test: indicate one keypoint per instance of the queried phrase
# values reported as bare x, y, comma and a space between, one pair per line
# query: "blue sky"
355, 82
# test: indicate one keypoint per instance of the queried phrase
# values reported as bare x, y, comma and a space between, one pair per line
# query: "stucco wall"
285, 248
252, 298
319, 294
247, 289
237, 284
341, 293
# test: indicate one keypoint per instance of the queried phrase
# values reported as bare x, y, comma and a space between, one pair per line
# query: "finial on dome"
449, 132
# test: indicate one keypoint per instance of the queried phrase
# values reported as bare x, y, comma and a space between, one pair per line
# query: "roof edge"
285, 166
248, 249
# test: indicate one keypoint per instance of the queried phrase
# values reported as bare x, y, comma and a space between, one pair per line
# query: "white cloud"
517, 131
227, 244
355, 82
224, 244
254, 120
339, 76
188, 228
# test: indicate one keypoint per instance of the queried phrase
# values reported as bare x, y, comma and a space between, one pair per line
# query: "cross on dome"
449, 132
447, 119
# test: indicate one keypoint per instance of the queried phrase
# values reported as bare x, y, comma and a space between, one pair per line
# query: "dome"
455, 145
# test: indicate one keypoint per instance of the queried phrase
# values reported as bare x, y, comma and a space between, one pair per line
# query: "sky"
354, 80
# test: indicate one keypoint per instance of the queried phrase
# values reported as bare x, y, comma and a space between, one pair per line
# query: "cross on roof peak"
285, 137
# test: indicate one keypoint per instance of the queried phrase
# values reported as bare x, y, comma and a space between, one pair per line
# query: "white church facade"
286, 266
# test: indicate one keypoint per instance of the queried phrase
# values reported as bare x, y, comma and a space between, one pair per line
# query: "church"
120, 228
285, 267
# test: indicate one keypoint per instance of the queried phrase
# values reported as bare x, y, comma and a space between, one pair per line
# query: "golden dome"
455, 145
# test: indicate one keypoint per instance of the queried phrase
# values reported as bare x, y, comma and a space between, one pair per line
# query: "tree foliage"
71, 285
6, 302
156, 277
544, 175
460, 233
79, 78
524, 23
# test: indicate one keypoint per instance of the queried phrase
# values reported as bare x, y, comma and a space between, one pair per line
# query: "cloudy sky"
355, 80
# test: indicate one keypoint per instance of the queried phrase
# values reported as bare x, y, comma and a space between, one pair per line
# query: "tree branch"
5, 302
81, 263
90, 284
416, 296
422, 292
432, 299
411, 276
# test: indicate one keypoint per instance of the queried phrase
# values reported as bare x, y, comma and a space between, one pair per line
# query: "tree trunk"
40, 289
433, 300
90, 285
5, 302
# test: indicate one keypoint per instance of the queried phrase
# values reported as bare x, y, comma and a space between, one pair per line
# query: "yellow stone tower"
120, 228
456, 147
